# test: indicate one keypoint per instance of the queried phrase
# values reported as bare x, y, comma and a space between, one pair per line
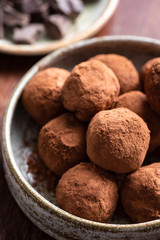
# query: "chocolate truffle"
117, 140
146, 67
90, 88
124, 70
89, 192
61, 143
42, 95
140, 194
152, 87
137, 102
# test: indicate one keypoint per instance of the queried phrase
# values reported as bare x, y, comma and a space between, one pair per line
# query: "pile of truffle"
97, 125
28, 19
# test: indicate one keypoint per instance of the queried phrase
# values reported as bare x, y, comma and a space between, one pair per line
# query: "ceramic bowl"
18, 128
89, 22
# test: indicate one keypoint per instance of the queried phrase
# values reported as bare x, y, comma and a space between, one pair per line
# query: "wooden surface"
134, 17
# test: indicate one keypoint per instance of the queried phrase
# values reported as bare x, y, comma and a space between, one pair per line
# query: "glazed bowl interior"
20, 131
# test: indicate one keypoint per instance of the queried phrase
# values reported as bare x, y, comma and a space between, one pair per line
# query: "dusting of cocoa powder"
62, 143
42, 95
152, 87
146, 67
124, 70
90, 88
137, 102
117, 140
140, 193
89, 192
41, 173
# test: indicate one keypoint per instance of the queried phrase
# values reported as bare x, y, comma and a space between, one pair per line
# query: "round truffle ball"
152, 87
124, 70
89, 192
42, 95
140, 194
61, 143
147, 66
90, 88
137, 102
117, 140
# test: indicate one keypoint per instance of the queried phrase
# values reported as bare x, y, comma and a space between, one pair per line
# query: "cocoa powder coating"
90, 88
42, 95
40, 173
61, 143
137, 102
140, 194
146, 67
124, 70
89, 192
152, 87
117, 140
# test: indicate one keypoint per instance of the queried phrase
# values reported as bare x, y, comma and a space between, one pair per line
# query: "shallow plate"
88, 23
39, 205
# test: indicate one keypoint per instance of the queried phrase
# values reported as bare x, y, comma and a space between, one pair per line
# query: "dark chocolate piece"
14, 18
57, 25
32, 6
70, 8
1, 24
36, 8
28, 34
61, 6
77, 7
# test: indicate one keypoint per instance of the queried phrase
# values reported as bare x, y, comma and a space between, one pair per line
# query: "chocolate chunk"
77, 7
14, 18
61, 6
1, 24
57, 25
70, 8
36, 8
32, 6
28, 34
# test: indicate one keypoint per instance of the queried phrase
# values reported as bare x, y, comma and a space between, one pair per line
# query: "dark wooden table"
134, 17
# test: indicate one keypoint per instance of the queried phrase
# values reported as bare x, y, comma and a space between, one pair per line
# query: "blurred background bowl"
88, 23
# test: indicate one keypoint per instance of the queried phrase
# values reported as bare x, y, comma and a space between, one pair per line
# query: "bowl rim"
6, 138
29, 50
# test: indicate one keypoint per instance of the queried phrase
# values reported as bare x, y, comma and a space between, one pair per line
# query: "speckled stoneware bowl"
39, 205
